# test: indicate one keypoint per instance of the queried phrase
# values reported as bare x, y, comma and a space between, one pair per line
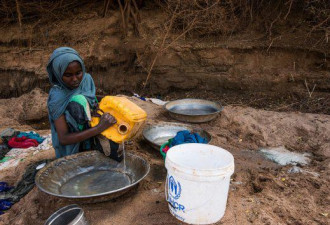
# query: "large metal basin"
91, 176
158, 134
193, 110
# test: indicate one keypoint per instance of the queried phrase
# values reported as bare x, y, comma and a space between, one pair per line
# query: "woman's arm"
67, 138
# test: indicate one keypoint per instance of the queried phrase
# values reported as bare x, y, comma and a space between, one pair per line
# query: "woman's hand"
106, 121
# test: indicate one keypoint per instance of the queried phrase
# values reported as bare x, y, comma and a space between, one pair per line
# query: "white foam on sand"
284, 157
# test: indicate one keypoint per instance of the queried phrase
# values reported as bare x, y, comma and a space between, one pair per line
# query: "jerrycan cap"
123, 128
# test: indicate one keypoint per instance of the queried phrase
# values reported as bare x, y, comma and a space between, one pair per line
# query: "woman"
69, 102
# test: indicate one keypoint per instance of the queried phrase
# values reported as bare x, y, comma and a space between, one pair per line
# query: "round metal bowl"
193, 110
68, 215
91, 176
158, 134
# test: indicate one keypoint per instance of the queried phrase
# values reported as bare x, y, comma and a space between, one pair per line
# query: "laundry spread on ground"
17, 145
10, 195
4, 149
8, 134
22, 142
31, 135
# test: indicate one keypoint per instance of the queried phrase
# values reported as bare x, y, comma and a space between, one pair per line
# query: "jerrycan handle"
98, 112
123, 128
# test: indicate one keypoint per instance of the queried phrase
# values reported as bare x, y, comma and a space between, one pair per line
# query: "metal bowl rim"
172, 123
219, 109
100, 194
161, 124
64, 210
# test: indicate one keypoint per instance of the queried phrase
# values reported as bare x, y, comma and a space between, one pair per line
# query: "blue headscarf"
60, 95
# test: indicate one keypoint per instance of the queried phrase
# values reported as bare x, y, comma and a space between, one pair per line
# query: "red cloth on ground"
22, 142
165, 149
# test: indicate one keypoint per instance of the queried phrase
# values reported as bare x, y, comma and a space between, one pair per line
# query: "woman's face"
73, 75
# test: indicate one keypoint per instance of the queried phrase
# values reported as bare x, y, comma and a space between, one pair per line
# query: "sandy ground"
261, 192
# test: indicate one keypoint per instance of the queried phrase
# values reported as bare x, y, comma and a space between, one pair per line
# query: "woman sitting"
70, 101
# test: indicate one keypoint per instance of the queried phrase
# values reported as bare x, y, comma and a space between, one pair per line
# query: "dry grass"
23, 11
214, 17
230, 16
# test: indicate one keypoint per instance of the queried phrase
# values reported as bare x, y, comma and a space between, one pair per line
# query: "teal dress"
61, 98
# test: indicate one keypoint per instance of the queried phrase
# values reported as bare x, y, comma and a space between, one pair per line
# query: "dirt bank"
28, 109
282, 73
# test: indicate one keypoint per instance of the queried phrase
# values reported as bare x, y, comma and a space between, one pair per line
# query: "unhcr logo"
174, 188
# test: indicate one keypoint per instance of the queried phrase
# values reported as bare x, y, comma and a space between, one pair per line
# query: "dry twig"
19, 14
106, 6
160, 50
122, 17
310, 93
286, 16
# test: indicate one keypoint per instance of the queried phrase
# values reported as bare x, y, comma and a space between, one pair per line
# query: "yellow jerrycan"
129, 116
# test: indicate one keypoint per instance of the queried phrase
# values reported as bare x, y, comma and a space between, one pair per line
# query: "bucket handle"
166, 193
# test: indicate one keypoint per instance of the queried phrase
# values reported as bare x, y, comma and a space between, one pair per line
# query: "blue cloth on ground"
60, 95
5, 205
4, 187
185, 136
31, 135
140, 97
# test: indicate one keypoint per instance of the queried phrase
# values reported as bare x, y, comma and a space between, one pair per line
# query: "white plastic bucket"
197, 182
